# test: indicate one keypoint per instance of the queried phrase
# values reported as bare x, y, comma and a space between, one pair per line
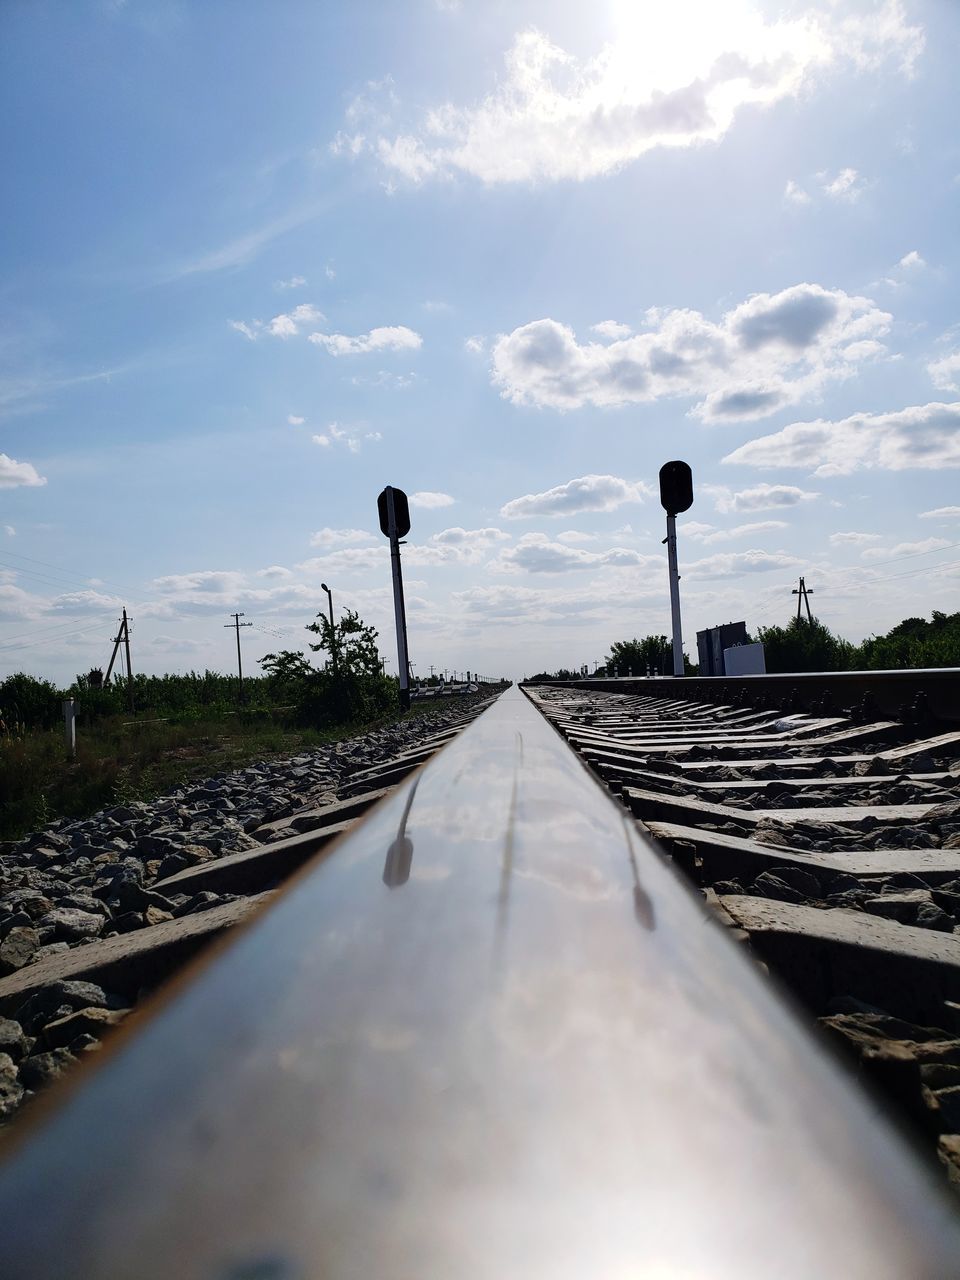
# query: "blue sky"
261, 259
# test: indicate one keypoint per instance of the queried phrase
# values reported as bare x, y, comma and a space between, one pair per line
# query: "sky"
261, 259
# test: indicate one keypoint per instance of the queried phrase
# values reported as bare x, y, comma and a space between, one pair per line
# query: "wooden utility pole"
238, 624
122, 637
803, 597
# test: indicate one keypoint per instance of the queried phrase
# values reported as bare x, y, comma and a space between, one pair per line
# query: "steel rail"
490, 1036
891, 691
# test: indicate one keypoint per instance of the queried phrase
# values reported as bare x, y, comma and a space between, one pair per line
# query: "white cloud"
294, 420
920, 437
476, 345
456, 536
730, 564
276, 572
15, 603
396, 337
541, 606
853, 539
911, 261
340, 537
286, 325
9, 530
430, 501
586, 493
436, 307
295, 282
941, 513
572, 537
349, 560
15, 474
906, 549
290, 324
536, 553
83, 602
455, 546
350, 438
945, 372
706, 534
612, 329
795, 194
206, 582
763, 355
846, 185
676, 76
759, 497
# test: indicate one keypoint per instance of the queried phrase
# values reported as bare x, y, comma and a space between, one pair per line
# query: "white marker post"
395, 524
676, 495
70, 726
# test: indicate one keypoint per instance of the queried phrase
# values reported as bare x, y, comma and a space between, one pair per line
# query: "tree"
287, 669
351, 644
804, 645
655, 652
349, 688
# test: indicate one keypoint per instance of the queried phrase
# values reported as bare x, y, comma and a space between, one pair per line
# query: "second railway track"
830, 845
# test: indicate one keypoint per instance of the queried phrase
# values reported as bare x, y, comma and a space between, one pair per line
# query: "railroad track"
831, 846
486, 1031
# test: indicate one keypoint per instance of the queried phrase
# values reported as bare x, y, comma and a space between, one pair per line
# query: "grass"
118, 761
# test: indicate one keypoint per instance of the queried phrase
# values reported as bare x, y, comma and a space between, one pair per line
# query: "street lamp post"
333, 634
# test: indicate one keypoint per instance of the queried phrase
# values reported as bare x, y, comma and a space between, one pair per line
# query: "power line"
68, 573
61, 635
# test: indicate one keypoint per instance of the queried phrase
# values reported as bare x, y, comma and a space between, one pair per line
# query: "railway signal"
394, 512
676, 495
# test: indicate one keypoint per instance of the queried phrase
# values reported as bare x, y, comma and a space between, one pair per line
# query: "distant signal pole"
237, 624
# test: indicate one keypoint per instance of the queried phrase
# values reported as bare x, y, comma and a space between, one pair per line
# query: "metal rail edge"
491, 1035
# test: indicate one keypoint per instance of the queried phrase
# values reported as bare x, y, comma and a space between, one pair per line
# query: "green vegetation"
810, 646
804, 645
186, 727
652, 653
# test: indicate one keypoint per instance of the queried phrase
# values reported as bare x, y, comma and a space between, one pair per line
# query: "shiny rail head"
491, 1036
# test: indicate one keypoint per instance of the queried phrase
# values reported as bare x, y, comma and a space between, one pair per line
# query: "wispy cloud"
395, 337
428, 500
846, 185
243, 248
585, 493
350, 438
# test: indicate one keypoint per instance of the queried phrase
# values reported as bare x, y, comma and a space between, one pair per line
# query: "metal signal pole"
676, 495
238, 624
394, 515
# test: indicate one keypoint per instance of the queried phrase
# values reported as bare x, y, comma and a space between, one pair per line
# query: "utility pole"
237, 624
333, 634
122, 637
803, 597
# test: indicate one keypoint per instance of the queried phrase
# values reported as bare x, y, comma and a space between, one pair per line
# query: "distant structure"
725, 651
